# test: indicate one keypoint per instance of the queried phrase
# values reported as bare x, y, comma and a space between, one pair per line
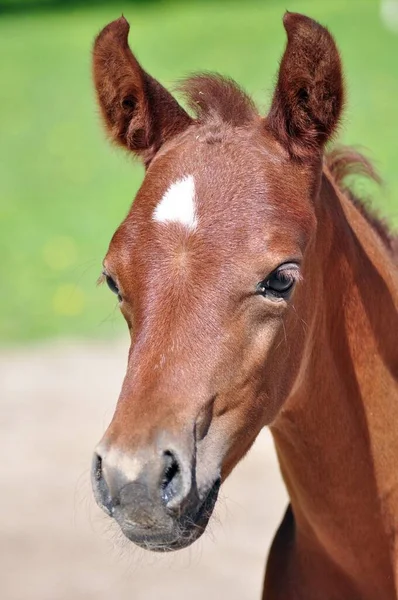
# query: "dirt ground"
55, 544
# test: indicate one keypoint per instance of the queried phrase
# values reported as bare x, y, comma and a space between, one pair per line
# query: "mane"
344, 162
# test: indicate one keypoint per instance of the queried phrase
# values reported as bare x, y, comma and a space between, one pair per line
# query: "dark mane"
343, 162
212, 96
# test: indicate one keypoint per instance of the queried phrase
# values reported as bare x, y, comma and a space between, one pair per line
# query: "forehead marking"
178, 204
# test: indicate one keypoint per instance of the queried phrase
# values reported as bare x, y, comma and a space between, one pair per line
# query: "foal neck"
337, 435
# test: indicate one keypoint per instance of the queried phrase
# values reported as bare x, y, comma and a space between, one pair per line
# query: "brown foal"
258, 292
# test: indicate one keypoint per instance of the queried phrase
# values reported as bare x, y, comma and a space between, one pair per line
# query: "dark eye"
112, 286
280, 283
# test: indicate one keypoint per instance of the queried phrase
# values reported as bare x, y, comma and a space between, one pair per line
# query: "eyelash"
111, 285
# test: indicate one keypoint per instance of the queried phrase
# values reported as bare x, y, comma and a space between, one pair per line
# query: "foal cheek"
246, 424
251, 396
236, 421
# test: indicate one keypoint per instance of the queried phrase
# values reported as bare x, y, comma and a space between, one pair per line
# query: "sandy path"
56, 545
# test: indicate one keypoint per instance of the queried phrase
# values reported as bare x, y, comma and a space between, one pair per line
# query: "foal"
257, 292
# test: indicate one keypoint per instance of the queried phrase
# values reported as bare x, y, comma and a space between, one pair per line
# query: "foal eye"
112, 286
280, 283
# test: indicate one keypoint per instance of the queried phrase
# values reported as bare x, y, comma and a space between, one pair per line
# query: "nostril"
97, 467
171, 468
100, 487
171, 483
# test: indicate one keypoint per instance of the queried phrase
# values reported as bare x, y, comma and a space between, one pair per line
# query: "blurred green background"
64, 189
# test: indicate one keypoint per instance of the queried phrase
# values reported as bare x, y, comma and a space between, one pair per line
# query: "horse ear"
139, 113
308, 98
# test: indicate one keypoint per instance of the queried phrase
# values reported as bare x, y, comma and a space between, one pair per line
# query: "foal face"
205, 266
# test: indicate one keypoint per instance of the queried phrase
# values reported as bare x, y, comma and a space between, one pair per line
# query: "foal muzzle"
153, 496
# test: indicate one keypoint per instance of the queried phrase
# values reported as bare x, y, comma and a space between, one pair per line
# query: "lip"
182, 532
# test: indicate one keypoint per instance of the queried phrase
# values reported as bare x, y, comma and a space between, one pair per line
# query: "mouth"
179, 532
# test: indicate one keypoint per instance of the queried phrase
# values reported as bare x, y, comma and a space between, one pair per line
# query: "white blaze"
178, 204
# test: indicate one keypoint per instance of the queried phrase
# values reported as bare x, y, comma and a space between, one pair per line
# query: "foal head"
205, 267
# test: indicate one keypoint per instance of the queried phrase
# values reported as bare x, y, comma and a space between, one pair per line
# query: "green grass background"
63, 189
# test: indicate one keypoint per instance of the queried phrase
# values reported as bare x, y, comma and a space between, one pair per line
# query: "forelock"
213, 97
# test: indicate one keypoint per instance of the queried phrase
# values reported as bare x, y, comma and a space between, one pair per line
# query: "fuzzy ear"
139, 113
308, 98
